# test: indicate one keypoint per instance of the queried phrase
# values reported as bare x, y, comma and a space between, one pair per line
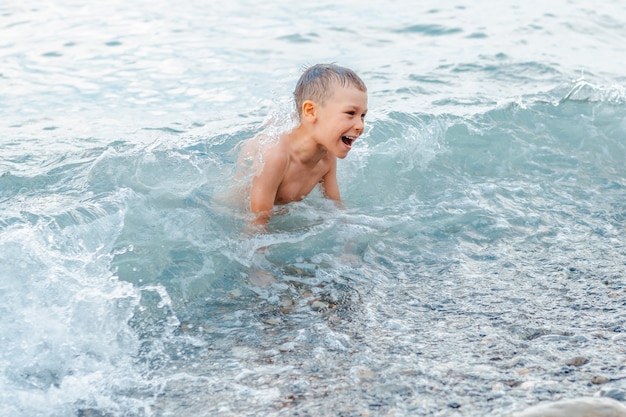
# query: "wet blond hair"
317, 81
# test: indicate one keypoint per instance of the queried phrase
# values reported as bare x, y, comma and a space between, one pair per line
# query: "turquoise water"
478, 265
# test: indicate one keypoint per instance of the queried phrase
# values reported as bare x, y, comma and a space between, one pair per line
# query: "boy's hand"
258, 222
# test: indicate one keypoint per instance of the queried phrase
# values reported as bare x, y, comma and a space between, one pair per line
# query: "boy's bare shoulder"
257, 147
276, 154
260, 151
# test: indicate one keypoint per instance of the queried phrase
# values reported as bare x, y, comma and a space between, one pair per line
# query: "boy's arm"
329, 183
265, 186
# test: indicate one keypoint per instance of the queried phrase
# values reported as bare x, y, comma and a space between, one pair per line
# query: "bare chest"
299, 181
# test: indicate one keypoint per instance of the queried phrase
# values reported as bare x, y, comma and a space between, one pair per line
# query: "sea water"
477, 267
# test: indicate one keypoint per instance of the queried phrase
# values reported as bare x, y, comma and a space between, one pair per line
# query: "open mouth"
347, 140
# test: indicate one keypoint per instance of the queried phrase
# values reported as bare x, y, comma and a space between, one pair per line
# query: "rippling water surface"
478, 265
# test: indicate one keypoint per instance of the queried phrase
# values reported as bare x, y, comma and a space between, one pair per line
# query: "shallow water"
477, 268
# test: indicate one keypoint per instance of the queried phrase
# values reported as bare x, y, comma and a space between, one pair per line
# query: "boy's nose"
359, 126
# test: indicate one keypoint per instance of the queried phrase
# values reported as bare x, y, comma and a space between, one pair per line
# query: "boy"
332, 103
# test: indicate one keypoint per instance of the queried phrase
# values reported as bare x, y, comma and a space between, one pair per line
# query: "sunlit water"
478, 265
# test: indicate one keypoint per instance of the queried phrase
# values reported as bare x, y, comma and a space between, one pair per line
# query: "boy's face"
341, 119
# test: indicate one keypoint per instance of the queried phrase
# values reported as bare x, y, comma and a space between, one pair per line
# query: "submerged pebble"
599, 380
577, 361
580, 407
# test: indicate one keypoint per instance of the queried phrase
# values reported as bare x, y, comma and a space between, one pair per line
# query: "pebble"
287, 347
599, 380
362, 373
319, 305
273, 321
577, 361
613, 393
579, 407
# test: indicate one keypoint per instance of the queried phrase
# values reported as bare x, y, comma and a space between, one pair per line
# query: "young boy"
332, 103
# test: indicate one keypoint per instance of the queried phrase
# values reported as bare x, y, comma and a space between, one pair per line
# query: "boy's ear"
309, 110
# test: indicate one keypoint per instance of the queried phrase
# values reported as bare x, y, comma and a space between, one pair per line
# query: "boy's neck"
304, 147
